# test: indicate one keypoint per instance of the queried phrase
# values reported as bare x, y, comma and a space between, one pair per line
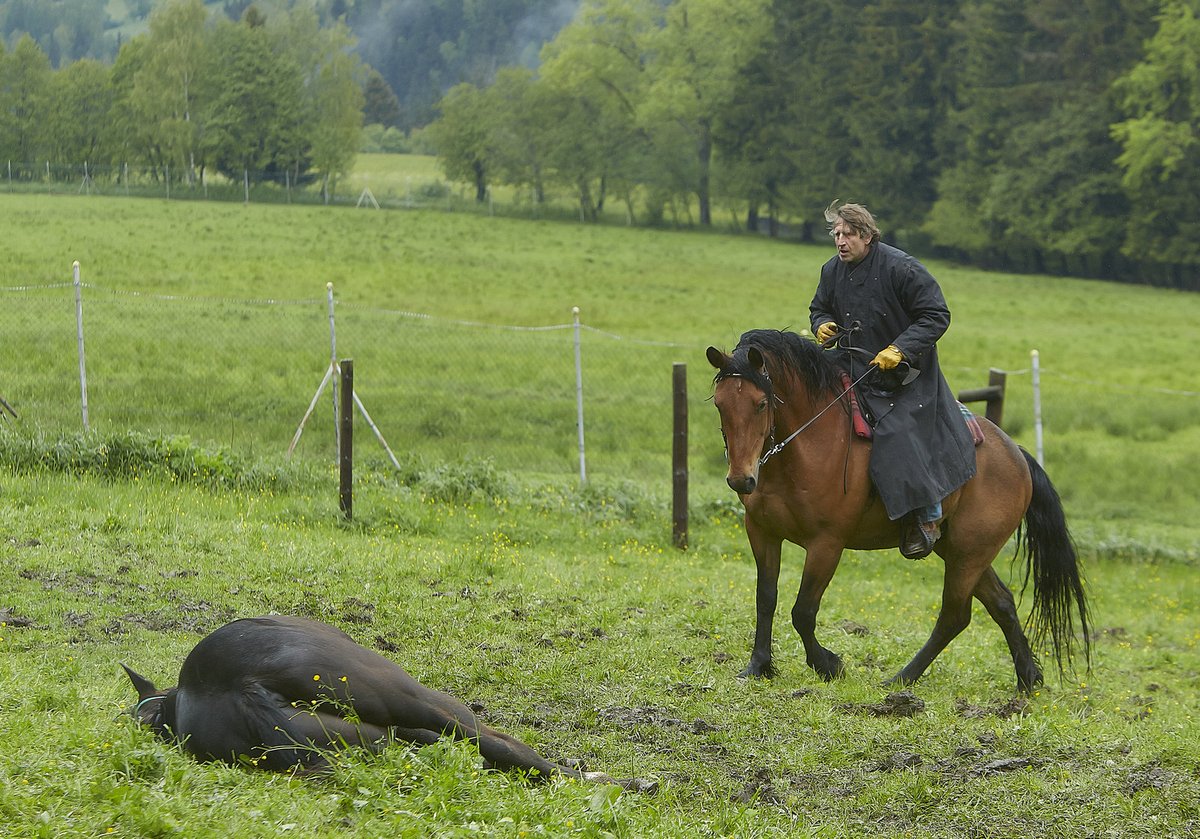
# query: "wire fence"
241, 374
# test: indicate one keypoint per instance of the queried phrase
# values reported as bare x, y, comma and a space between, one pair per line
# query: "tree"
461, 137
752, 138
699, 54
159, 84
594, 72
896, 95
809, 67
1033, 172
252, 115
516, 126
78, 114
380, 105
331, 85
1160, 140
24, 83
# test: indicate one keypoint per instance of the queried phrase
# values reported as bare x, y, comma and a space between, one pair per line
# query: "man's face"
851, 246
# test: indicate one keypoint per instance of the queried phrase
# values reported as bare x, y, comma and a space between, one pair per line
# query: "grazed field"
564, 619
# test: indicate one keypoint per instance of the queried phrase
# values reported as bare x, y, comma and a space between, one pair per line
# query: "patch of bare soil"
1013, 707
650, 715
9, 618
1149, 776
759, 789
903, 703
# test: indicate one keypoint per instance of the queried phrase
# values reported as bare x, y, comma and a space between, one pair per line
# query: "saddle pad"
863, 429
973, 424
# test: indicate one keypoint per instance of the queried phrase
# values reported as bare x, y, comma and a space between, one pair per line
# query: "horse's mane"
792, 356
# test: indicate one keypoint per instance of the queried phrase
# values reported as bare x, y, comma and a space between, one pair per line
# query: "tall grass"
209, 320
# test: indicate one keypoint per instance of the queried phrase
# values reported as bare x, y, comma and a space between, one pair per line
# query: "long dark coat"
922, 449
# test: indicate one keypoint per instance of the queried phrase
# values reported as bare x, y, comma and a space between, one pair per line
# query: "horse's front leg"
820, 561
767, 550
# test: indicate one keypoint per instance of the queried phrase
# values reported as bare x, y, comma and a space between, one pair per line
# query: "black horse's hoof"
753, 671
829, 668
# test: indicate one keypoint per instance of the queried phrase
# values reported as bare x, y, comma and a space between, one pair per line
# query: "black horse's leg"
954, 617
820, 562
998, 600
767, 551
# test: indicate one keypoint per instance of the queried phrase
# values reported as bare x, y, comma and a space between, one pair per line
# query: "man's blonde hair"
856, 215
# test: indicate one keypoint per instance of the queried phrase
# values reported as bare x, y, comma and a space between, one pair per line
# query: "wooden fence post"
679, 507
346, 441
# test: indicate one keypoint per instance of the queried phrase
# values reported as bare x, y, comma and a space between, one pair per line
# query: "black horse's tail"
1051, 563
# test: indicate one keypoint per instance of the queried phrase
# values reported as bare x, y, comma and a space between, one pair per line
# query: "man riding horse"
884, 308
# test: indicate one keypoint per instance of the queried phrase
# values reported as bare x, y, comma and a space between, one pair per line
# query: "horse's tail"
1051, 562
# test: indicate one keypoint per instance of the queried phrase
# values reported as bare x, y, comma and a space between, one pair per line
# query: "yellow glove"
826, 331
888, 358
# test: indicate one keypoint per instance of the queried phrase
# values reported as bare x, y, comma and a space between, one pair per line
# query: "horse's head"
767, 371
743, 394
151, 710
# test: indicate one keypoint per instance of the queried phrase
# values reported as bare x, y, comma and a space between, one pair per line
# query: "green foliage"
133, 456
191, 99
1160, 138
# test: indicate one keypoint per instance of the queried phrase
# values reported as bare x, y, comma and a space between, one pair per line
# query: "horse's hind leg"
954, 617
998, 600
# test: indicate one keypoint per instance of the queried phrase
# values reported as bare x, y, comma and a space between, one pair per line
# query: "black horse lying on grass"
276, 691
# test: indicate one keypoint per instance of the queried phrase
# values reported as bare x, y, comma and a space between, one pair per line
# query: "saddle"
862, 428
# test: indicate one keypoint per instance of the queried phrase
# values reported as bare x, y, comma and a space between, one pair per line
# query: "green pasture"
486, 568
210, 320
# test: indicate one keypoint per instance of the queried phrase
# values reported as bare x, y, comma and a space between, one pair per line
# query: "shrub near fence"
241, 374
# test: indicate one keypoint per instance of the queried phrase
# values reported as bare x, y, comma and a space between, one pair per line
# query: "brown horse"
815, 491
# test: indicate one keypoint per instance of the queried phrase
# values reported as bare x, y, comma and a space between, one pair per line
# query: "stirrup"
919, 538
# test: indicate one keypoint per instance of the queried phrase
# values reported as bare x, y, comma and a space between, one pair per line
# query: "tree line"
279, 99
1045, 135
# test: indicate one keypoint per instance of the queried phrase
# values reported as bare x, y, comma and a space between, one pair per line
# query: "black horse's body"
277, 691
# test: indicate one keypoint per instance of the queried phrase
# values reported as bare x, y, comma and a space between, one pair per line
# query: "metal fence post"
579, 397
346, 442
333, 368
1037, 408
79, 335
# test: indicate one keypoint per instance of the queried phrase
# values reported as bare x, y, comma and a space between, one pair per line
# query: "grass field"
559, 608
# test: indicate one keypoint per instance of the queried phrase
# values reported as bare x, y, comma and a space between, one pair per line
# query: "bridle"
778, 447
773, 448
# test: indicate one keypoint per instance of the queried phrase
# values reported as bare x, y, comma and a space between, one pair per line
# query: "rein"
778, 447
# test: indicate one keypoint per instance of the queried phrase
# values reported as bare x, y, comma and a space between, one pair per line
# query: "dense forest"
1046, 135
1042, 135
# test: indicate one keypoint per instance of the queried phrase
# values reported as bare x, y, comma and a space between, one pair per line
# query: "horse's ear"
717, 358
141, 684
756, 360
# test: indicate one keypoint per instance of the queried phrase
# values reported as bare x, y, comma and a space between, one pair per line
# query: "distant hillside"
420, 48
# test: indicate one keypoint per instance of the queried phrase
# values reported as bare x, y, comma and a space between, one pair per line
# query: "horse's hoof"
1025, 687
899, 681
752, 672
830, 669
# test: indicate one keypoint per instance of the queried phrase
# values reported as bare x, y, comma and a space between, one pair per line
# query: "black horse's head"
153, 707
